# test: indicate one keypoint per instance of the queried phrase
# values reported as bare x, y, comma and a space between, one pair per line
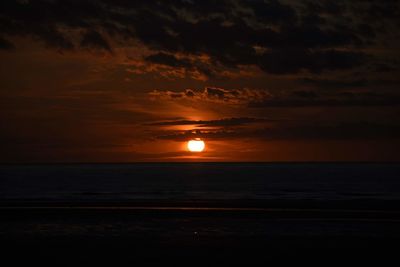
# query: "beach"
166, 214
183, 234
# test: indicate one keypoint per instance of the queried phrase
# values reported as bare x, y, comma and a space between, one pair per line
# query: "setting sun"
196, 145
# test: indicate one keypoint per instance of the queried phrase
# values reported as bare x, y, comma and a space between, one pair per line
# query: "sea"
200, 213
200, 181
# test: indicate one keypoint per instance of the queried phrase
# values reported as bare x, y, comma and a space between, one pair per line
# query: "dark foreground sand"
199, 233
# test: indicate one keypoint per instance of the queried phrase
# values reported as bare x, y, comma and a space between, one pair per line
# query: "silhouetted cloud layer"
257, 98
308, 131
227, 122
279, 37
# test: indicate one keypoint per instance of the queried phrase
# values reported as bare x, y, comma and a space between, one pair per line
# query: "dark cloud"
188, 93
295, 60
227, 122
204, 134
334, 83
379, 9
306, 94
304, 131
341, 99
217, 92
169, 60
191, 66
386, 67
306, 36
214, 94
53, 38
332, 131
258, 98
350, 83
6, 45
326, 7
41, 20
94, 40
272, 11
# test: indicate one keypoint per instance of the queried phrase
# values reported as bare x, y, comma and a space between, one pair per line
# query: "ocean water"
199, 181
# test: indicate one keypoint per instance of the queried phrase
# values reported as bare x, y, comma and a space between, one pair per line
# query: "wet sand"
199, 233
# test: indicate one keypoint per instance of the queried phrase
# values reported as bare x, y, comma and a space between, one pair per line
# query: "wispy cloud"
211, 123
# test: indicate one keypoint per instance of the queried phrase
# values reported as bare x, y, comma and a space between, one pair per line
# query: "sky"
128, 81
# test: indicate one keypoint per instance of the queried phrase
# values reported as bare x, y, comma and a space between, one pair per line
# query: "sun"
196, 145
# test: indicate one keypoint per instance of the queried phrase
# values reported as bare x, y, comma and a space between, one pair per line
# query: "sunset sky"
126, 81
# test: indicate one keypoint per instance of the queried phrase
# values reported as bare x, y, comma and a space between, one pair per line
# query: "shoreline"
195, 233
361, 204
